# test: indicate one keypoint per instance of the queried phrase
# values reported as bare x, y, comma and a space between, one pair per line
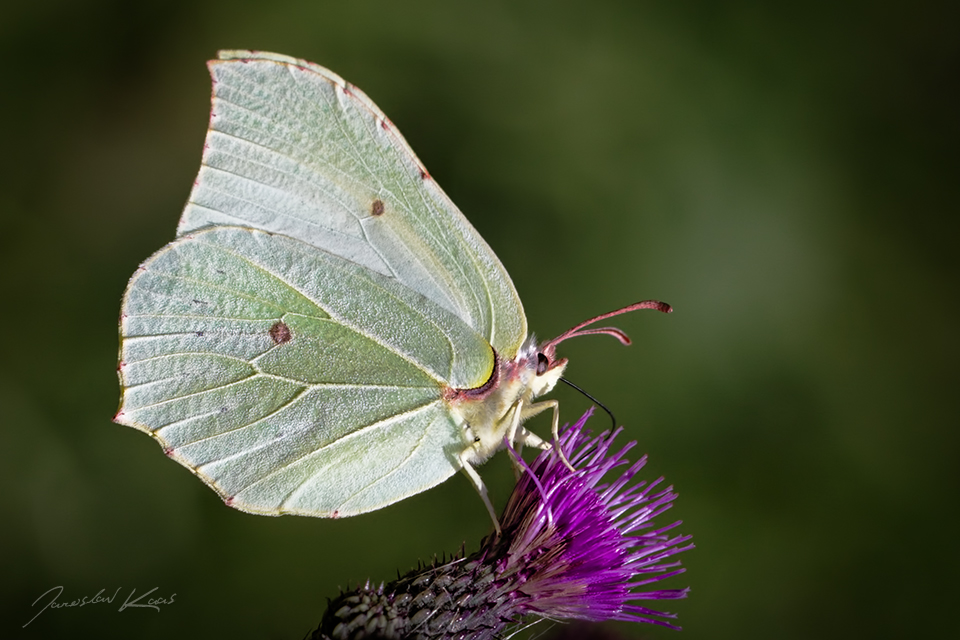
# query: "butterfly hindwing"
292, 380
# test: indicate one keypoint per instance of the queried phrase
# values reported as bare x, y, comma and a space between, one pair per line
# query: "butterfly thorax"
487, 414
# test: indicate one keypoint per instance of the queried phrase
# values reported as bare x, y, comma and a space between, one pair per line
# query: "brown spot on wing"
377, 207
280, 332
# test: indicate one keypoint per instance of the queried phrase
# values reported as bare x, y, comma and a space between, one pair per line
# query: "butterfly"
328, 334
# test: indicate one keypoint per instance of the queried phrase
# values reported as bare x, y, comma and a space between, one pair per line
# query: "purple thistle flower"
572, 548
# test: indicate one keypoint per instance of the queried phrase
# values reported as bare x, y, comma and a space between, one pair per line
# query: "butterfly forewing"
294, 150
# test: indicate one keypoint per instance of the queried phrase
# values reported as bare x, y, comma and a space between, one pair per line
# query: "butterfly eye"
542, 363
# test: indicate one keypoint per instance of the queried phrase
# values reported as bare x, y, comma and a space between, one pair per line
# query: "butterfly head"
547, 367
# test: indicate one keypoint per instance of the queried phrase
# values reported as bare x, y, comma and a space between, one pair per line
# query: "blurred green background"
785, 177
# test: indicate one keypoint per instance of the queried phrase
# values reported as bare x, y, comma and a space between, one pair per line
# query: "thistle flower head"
584, 549
572, 547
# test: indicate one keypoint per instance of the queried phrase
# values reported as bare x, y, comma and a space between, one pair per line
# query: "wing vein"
313, 452
351, 325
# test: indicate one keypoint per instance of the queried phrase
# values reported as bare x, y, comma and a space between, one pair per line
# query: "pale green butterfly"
328, 334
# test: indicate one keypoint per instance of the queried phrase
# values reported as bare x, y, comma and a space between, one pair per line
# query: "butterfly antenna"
595, 401
582, 330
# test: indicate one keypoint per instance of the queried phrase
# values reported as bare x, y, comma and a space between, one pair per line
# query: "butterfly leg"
516, 436
481, 488
522, 435
533, 439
